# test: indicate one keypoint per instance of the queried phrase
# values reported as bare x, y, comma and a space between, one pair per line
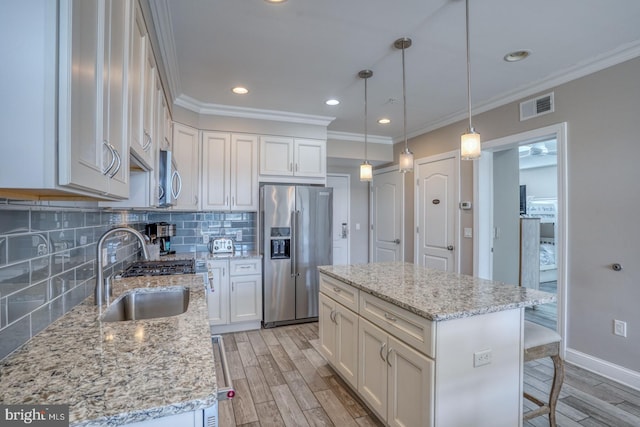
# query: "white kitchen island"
424, 347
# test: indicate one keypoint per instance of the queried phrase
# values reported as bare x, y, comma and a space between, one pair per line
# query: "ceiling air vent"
536, 107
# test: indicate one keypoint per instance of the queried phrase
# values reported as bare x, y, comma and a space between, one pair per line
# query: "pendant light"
470, 148
405, 162
366, 173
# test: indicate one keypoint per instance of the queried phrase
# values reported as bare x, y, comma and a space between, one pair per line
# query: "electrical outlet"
239, 236
481, 358
620, 328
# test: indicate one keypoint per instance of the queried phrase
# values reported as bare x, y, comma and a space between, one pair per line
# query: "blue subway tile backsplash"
48, 256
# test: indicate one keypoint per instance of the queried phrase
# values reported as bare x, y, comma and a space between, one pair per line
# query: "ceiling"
295, 55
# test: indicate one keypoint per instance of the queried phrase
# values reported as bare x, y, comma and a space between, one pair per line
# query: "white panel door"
341, 233
387, 190
436, 213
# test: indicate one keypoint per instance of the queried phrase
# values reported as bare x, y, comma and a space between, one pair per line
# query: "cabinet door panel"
137, 62
83, 155
310, 158
246, 301
218, 300
347, 344
185, 151
244, 172
372, 378
276, 155
410, 386
326, 328
216, 156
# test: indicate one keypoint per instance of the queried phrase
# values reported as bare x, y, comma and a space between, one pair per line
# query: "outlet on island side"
481, 358
620, 328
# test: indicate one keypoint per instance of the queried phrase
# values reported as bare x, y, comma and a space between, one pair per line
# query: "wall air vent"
536, 107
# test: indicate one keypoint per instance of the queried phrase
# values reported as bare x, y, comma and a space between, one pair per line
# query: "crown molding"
617, 56
164, 32
251, 113
359, 137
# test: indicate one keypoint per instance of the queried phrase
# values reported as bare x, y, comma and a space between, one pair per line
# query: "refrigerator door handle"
297, 216
293, 243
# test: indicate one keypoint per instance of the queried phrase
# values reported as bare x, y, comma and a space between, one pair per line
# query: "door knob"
450, 247
397, 241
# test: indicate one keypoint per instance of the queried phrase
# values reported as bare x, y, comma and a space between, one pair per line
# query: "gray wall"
602, 112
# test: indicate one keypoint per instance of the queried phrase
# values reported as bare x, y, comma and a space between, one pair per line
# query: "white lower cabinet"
394, 379
338, 330
236, 301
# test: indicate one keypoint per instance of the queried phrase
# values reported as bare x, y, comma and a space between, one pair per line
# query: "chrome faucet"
100, 286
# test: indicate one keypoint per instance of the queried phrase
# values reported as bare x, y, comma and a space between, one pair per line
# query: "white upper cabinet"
185, 151
229, 171
287, 159
310, 158
67, 122
141, 83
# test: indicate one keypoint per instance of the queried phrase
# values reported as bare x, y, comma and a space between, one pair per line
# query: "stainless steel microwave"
169, 179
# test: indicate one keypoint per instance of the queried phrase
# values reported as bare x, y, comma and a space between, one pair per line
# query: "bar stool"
542, 342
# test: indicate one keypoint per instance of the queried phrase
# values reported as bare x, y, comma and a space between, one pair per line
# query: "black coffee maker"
160, 233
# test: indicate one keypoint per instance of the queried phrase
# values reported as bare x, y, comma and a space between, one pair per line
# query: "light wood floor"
282, 380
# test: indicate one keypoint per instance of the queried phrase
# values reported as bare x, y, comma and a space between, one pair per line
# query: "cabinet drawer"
414, 330
339, 291
243, 267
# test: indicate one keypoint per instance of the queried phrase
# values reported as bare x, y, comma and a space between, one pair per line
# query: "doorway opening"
520, 216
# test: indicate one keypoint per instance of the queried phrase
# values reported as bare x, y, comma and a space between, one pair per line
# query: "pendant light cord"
468, 65
365, 120
404, 101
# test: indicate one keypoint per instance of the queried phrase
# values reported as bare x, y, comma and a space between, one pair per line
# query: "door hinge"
418, 182
371, 227
417, 230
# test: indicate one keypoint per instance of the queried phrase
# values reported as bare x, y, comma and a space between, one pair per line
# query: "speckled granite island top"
434, 294
114, 373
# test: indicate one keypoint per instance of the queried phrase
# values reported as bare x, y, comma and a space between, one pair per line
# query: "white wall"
541, 182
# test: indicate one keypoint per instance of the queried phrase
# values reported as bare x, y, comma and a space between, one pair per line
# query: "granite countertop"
114, 373
433, 294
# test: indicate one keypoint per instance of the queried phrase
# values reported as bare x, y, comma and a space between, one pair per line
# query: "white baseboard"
602, 367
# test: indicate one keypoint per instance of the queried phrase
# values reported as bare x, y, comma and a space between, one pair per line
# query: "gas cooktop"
160, 268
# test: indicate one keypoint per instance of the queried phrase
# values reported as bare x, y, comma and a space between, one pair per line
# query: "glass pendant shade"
470, 148
366, 172
406, 161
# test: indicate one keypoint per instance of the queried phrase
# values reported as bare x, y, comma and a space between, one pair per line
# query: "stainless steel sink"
148, 304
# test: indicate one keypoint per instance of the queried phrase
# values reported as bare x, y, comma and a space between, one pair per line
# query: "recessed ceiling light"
517, 55
384, 121
275, 1
239, 90
332, 102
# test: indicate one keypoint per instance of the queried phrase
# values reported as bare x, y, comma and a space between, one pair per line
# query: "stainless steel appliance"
169, 179
296, 238
221, 246
160, 233
160, 268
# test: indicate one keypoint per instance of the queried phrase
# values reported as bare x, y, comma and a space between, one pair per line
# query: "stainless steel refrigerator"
295, 223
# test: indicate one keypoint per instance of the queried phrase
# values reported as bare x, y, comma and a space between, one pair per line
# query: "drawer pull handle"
384, 344
337, 290
389, 317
